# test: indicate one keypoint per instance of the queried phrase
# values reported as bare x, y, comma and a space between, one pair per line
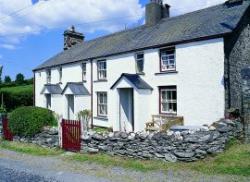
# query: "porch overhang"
51, 89
75, 88
134, 80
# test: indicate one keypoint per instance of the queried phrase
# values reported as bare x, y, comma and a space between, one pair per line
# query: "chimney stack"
71, 38
155, 11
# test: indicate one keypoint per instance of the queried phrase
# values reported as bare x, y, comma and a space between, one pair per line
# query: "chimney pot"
71, 38
155, 11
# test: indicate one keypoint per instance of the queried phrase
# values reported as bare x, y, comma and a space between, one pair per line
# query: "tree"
19, 78
7, 79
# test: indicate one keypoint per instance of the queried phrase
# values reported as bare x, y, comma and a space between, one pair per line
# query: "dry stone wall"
171, 146
47, 138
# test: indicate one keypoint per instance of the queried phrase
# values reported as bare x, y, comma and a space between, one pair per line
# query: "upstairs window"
48, 72
102, 70
102, 104
168, 100
139, 58
60, 74
167, 61
84, 71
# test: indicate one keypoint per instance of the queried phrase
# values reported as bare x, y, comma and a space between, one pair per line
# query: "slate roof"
135, 80
211, 22
76, 88
52, 89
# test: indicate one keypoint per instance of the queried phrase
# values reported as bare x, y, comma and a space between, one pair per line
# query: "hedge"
28, 121
14, 97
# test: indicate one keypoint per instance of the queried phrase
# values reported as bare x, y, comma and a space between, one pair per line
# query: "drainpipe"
91, 90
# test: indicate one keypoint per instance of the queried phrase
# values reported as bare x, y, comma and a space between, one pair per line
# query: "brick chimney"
155, 11
71, 38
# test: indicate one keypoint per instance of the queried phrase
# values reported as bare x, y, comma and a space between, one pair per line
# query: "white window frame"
102, 70
84, 71
101, 104
138, 60
170, 101
48, 74
167, 60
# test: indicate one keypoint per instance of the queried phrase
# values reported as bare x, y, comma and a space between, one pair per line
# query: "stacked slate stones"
48, 138
170, 146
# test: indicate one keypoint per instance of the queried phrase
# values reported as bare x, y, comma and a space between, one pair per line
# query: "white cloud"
88, 15
51, 14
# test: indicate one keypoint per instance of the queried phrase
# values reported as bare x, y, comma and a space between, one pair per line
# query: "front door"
126, 109
71, 108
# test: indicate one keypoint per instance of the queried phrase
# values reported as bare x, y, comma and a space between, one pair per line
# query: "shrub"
28, 121
14, 97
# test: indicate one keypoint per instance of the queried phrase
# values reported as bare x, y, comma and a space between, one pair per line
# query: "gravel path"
16, 167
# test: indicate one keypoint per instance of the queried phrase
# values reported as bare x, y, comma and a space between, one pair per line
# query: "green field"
17, 89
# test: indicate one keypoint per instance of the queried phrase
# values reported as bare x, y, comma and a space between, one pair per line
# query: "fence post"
60, 130
245, 75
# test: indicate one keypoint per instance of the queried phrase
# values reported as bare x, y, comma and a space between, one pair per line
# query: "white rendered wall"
199, 81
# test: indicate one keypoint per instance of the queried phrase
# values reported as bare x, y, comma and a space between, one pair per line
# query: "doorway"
71, 107
126, 109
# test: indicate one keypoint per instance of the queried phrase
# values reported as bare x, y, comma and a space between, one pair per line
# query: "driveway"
16, 167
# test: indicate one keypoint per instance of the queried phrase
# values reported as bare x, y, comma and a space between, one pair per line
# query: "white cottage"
187, 66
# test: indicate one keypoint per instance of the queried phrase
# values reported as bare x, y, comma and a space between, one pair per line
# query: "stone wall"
47, 138
171, 146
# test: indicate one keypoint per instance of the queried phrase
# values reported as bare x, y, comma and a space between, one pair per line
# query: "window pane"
167, 60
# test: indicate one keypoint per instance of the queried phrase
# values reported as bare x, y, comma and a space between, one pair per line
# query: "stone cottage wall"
237, 56
171, 146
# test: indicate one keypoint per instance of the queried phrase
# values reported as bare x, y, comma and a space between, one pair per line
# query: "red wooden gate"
7, 135
71, 135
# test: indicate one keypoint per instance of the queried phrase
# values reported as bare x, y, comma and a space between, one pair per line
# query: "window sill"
167, 72
101, 118
169, 114
96, 81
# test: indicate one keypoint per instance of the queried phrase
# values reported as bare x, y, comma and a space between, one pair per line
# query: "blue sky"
31, 30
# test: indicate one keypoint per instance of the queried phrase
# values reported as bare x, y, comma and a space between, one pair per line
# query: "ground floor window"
102, 104
48, 101
168, 100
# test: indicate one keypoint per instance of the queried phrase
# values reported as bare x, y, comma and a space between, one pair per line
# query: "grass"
101, 130
17, 89
234, 161
29, 149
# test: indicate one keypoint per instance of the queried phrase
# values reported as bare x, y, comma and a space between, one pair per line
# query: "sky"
31, 31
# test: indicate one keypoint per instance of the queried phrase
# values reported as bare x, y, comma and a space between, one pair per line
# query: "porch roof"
51, 89
135, 80
77, 88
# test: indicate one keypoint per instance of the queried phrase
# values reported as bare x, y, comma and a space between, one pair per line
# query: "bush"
14, 97
28, 121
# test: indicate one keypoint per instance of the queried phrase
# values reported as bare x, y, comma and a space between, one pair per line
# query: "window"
102, 70
167, 60
168, 100
84, 71
60, 74
48, 76
48, 101
102, 106
139, 58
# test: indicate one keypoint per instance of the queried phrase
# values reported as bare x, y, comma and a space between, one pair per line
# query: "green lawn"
234, 161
